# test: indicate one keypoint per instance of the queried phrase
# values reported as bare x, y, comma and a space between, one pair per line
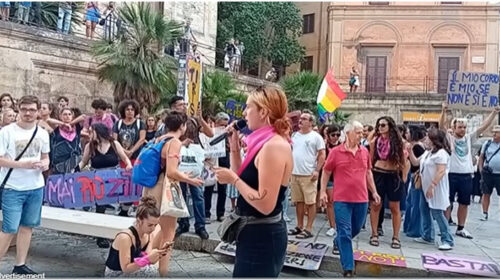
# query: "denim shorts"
460, 187
21, 208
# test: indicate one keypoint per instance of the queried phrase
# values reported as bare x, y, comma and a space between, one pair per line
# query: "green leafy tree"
269, 30
133, 62
217, 88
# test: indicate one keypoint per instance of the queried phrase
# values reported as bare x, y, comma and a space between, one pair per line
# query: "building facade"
402, 48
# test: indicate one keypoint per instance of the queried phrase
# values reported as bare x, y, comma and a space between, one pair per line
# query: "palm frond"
301, 90
133, 62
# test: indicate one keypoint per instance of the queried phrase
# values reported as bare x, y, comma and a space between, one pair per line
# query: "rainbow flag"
330, 96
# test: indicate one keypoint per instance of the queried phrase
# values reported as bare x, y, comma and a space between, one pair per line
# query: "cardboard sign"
379, 258
193, 96
460, 265
472, 91
299, 254
102, 187
294, 119
235, 109
215, 151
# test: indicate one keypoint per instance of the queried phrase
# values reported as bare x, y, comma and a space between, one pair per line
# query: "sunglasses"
382, 125
336, 134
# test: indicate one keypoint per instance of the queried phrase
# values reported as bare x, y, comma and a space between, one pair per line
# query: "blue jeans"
261, 250
425, 215
349, 217
21, 208
444, 228
23, 13
412, 225
64, 20
198, 207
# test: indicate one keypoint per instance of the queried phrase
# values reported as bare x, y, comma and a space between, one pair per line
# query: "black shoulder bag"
2, 186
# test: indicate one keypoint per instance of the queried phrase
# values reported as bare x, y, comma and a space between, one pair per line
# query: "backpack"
137, 123
147, 166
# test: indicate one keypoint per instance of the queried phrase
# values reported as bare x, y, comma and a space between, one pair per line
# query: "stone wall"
47, 64
366, 108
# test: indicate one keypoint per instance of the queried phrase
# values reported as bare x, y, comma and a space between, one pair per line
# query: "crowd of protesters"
355, 172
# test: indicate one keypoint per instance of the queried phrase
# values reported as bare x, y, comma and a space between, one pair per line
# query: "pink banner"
460, 265
379, 258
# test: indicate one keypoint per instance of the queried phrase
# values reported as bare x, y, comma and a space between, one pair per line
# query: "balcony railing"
376, 85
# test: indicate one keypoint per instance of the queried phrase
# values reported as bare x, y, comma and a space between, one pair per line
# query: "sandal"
374, 240
305, 234
396, 244
295, 231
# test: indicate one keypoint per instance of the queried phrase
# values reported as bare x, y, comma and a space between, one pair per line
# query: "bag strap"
19, 157
496, 152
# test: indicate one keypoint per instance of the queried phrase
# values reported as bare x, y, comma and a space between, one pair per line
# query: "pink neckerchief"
67, 134
254, 142
383, 147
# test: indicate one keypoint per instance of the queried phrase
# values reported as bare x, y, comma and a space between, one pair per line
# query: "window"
376, 72
308, 23
445, 65
307, 64
378, 2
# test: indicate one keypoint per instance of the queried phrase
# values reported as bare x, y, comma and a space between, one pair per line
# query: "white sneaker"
444, 247
331, 232
484, 217
423, 241
464, 233
286, 219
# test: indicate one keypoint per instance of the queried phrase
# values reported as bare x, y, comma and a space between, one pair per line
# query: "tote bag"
172, 201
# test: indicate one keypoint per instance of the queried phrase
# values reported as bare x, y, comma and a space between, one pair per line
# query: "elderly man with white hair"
351, 166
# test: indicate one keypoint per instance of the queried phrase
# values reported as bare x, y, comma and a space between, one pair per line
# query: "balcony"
396, 86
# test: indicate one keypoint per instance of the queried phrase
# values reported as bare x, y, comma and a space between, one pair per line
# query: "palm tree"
338, 117
217, 88
301, 90
49, 14
134, 62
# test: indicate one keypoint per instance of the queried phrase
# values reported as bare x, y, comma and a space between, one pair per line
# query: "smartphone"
167, 245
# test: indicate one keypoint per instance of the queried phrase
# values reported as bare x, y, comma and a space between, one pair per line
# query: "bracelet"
235, 181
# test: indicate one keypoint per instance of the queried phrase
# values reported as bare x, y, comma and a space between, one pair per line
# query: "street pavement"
66, 255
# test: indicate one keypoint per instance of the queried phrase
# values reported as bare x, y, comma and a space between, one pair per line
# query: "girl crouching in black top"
132, 253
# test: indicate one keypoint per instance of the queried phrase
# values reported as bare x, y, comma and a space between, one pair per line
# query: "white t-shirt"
13, 139
461, 154
305, 152
428, 170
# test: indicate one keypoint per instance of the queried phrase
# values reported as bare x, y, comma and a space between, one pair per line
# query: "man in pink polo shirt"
351, 166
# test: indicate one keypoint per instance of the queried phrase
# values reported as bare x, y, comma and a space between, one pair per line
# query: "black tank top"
108, 160
251, 177
113, 261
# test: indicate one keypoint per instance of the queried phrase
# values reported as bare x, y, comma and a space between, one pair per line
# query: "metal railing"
374, 84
